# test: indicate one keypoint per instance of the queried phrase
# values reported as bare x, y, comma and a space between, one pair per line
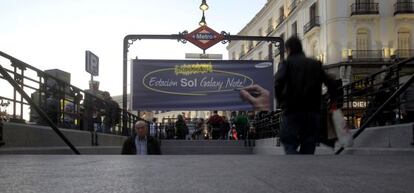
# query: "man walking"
298, 88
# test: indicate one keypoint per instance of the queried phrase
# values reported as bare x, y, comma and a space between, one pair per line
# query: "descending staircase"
392, 140
198, 147
33, 139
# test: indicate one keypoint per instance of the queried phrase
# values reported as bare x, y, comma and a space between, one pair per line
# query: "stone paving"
208, 173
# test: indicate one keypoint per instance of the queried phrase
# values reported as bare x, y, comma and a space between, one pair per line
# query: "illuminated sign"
359, 104
204, 37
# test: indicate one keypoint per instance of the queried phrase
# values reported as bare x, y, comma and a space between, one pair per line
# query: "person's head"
141, 128
154, 120
94, 85
293, 46
78, 97
106, 95
180, 117
215, 112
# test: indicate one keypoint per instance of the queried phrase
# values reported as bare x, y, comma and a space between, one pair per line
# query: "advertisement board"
196, 84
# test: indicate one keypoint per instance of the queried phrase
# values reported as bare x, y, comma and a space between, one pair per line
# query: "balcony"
314, 22
269, 30
293, 6
403, 7
403, 54
250, 47
364, 9
280, 20
366, 56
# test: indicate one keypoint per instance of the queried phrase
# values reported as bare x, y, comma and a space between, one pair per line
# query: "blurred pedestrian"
181, 127
215, 123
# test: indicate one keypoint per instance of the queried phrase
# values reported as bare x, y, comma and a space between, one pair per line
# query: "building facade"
353, 38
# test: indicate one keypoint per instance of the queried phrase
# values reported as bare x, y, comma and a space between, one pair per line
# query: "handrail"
364, 92
63, 86
398, 64
37, 108
371, 118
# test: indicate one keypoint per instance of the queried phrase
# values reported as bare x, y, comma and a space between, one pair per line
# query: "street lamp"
204, 6
203, 21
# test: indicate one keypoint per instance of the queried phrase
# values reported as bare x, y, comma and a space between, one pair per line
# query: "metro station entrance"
167, 85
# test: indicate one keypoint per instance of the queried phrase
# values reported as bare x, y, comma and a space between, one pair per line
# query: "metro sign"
204, 37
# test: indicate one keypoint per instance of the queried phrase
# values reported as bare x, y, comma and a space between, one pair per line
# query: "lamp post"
204, 6
203, 21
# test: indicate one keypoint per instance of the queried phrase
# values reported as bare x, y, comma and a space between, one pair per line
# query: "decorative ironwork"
364, 8
404, 53
130, 42
280, 20
366, 55
314, 22
403, 7
182, 34
225, 41
293, 6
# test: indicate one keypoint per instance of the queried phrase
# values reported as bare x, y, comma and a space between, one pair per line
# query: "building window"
362, 39
251, 45
362, 43
313, 11
403, 47
294, 29
270, 25
259, 56
281, 15
314, 51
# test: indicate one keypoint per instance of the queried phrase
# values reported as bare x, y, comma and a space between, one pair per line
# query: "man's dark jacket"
129, 148
298, 84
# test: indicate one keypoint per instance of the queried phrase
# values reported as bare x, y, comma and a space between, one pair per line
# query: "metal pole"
14, 95
21, 97
124, 88
37, 108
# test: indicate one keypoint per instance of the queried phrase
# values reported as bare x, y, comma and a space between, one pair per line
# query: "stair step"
87, 150
379, 151
236, 143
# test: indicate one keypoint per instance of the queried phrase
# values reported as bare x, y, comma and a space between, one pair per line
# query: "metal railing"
293, 6
364, 8
280, 20
267, 124
403, 7
366, 56
381, 95
52, 96
269, 29
314, 22
404, 53
373, 100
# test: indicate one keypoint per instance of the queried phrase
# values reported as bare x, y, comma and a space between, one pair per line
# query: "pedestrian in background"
181, 127
141, 143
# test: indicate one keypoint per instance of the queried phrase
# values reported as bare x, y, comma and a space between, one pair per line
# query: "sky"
50, 34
